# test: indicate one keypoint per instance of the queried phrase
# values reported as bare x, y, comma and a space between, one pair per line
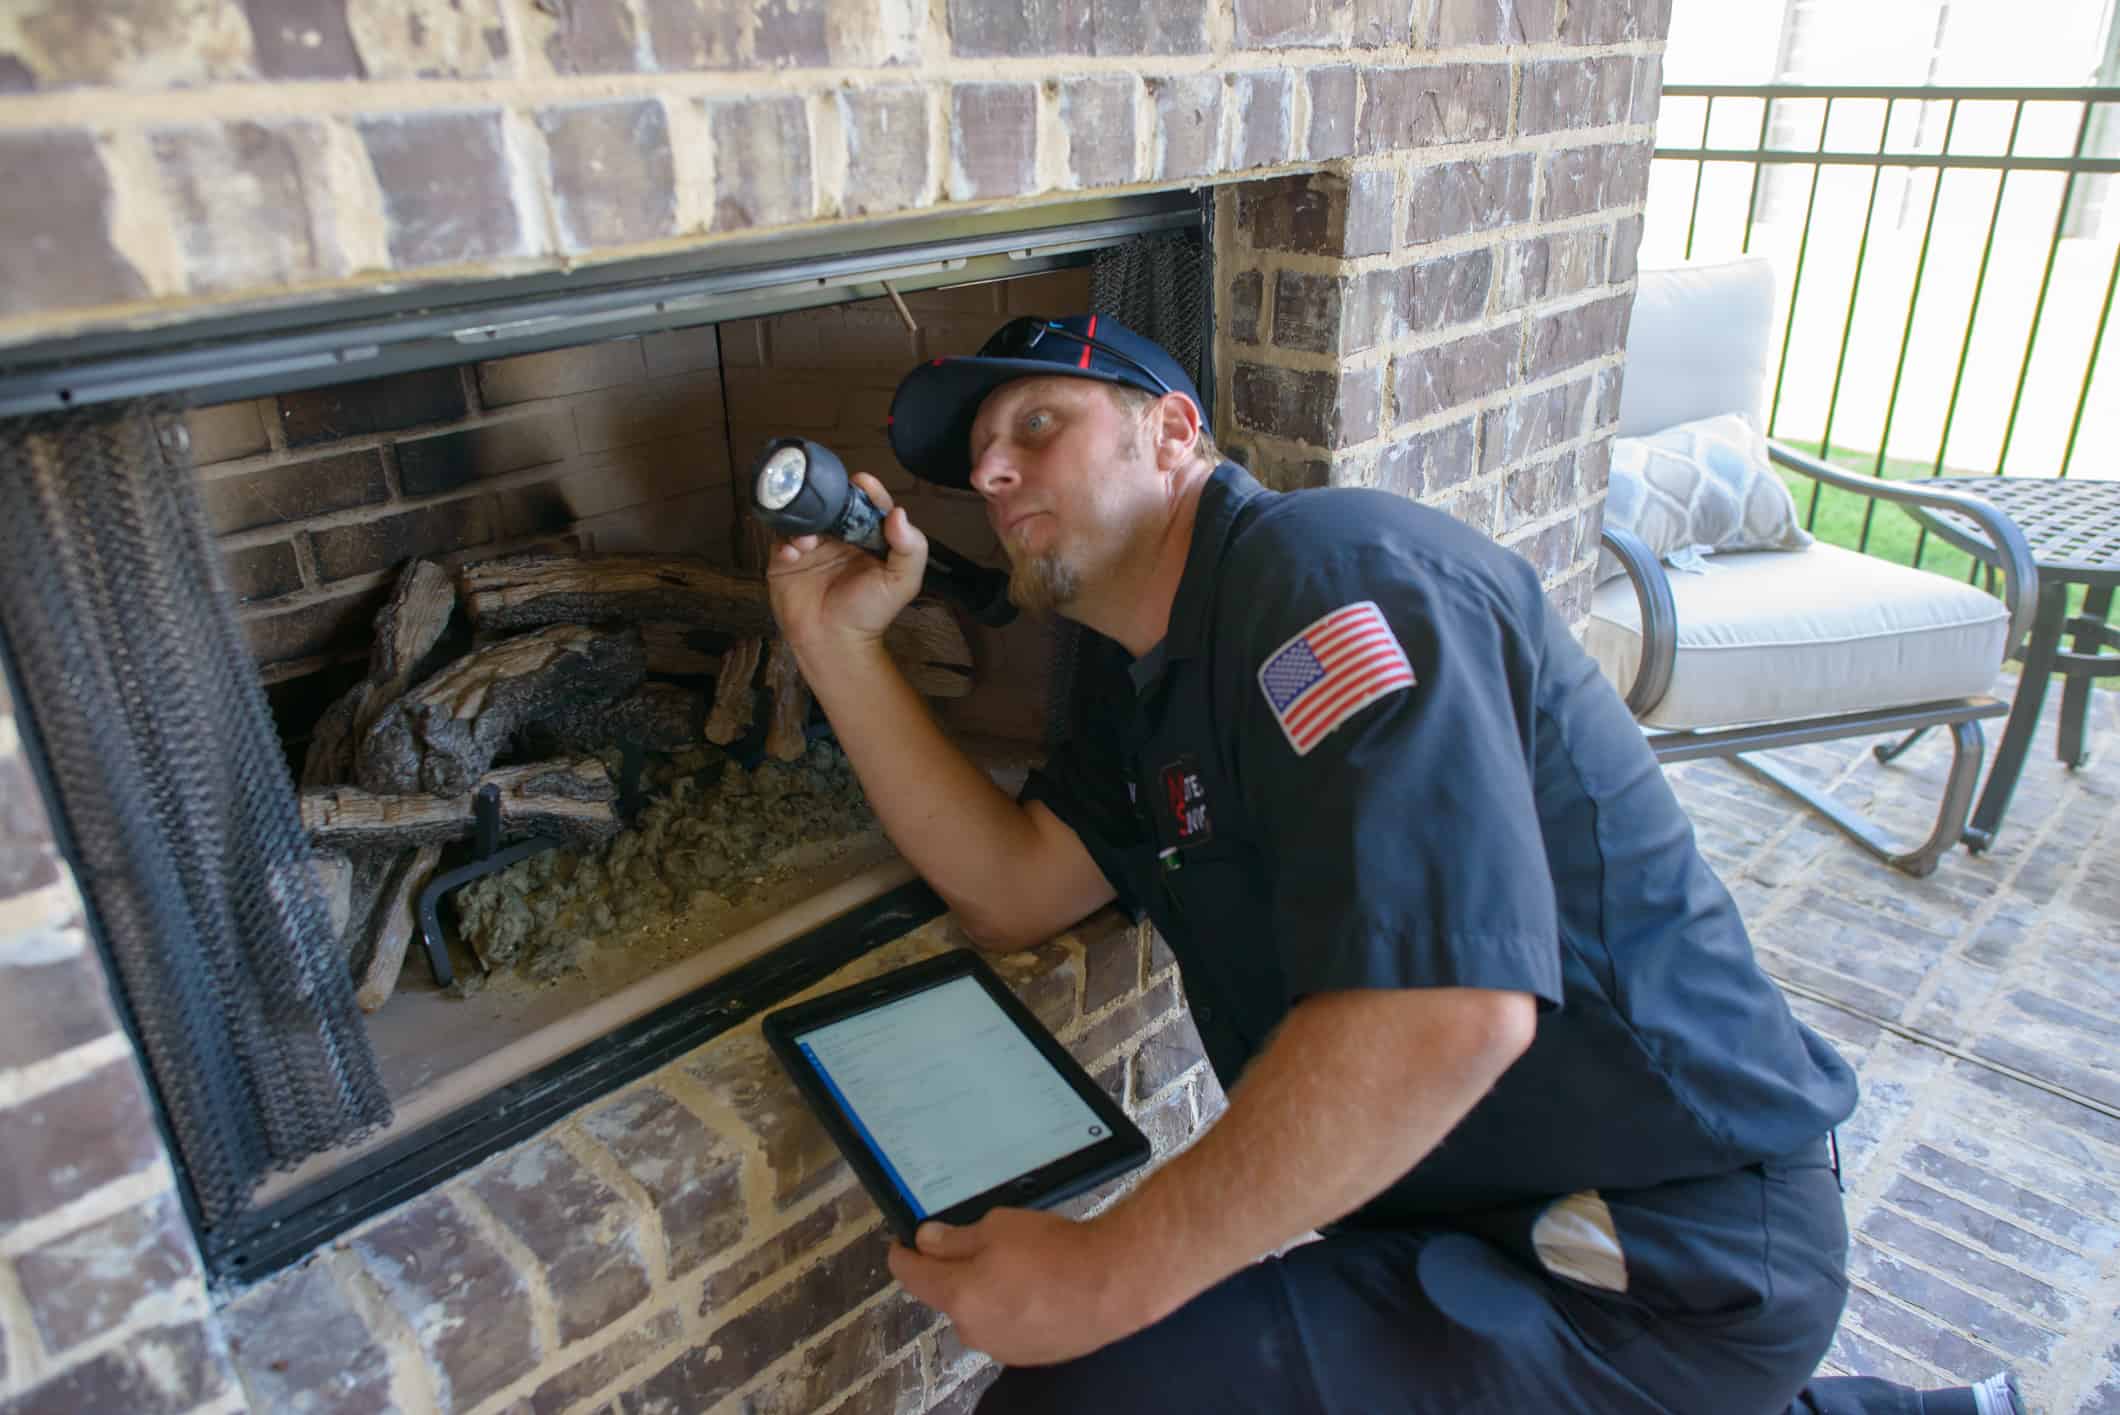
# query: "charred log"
660, 717
407, 630
731, 716
444, 734
371, 873
525, 591
681, 650
331, 743
392, 923
681, 593
335, 879
929, 648
569, 800
790, 709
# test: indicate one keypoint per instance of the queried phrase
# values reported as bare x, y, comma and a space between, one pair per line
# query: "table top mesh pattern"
2071, 525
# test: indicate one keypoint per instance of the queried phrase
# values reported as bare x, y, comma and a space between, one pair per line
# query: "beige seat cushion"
1775, 635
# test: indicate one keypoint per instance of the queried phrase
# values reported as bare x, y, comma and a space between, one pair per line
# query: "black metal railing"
2019, 173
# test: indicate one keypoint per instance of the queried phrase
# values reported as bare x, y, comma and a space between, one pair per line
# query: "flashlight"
800, 488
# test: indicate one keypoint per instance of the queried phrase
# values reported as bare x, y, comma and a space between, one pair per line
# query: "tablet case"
1123, 1148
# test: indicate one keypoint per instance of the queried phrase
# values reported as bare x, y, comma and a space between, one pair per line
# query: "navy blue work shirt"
1497, 822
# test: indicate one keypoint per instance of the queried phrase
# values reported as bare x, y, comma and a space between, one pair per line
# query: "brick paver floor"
1981, 1007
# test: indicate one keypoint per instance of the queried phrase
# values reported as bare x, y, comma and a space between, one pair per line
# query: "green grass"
1893, 535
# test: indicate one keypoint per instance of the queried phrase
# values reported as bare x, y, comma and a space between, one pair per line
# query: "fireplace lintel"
217, 358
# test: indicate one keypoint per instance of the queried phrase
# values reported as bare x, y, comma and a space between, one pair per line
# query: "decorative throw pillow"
1705, 484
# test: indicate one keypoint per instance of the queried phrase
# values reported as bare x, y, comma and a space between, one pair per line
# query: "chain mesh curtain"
1156, 286
187, 836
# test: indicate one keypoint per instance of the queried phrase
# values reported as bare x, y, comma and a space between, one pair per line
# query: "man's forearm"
963, 834
1353, 1091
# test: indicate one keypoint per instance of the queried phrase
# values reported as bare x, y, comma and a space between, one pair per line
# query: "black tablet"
948, 1097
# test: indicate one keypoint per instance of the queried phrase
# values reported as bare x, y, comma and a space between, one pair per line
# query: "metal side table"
2073, 528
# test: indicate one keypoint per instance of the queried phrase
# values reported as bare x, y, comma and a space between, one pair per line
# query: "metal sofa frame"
1652, 591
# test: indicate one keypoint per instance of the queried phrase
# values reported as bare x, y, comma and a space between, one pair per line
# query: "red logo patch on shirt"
1185, 804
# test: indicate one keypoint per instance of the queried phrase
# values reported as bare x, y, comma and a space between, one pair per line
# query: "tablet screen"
948, 1094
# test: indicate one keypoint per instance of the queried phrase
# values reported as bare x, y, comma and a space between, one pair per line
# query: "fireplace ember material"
552, 673
716, 834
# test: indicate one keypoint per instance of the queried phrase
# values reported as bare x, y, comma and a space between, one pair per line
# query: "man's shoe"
1998, 1395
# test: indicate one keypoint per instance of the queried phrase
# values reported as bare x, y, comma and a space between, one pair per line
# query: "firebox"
567, 806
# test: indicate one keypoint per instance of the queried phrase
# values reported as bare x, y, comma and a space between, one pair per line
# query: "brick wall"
1447, 324
319, 497
1456, 187
201, 154
103, 1303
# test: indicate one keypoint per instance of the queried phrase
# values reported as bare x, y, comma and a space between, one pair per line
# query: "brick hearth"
670, 1242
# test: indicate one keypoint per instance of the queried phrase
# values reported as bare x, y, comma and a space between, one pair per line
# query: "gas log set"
637, 714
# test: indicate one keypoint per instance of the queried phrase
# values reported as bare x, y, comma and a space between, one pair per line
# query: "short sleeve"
1089, 798
1084, 780
1404, 838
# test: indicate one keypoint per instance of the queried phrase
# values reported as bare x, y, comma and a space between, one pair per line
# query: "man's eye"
1037, 422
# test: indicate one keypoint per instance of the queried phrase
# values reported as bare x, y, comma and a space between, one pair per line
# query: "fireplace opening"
572, 809
557, 599
663, 804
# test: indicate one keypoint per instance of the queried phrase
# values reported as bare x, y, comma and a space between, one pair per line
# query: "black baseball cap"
932, 413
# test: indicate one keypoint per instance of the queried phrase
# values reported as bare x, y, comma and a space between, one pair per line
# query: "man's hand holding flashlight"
830, 596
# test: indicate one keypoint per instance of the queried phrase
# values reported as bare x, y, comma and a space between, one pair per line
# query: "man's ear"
1177, 430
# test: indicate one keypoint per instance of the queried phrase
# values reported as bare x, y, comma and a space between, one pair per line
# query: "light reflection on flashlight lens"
780, 479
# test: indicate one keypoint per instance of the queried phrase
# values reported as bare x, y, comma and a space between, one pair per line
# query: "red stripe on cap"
1086, 350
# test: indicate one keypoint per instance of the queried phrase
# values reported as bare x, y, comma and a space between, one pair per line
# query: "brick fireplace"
608, 450
1425, 217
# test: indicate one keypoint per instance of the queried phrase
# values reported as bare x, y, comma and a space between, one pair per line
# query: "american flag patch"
1331, 671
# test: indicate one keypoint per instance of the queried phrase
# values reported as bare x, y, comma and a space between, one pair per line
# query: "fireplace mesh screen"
1157, 287
183, 820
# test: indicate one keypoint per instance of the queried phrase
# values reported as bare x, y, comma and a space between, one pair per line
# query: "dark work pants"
1735, 1287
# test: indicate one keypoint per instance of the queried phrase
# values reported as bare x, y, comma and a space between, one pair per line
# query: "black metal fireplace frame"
271, 1237
284, 350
